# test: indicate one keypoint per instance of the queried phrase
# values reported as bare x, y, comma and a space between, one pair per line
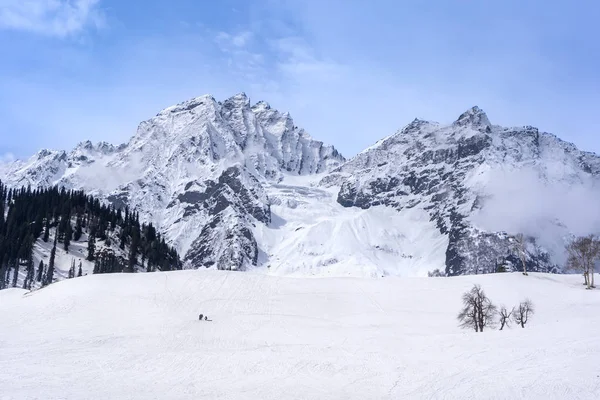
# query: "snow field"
137, 336
312, 235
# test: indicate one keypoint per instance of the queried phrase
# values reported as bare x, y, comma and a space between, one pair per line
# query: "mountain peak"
240, 99
241, 96
189, 104
261, 106
87, 146
474, 117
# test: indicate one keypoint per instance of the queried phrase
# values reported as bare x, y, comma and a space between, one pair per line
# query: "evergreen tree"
47, 229
26, 214
38, 225
15, 273
2, 275
122, 239
50, 273
78, 229
72, 270
80, 273
91, 247
40, 271
7, 277
133, 249
27, 283
2, 206
68, 235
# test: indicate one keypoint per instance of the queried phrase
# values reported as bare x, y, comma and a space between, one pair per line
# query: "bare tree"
478, 311
583, 252
520, 247
522, 314
505, 315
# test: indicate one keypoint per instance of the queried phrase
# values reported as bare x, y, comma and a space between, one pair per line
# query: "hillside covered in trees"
48, 234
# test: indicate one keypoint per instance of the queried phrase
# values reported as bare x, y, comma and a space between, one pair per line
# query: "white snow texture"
137, 336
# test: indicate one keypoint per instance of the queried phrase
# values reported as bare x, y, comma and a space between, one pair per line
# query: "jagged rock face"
205, 132
230, 205
194, 170
239, 250
447, 170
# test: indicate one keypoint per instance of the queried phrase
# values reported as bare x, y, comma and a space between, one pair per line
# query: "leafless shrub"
523, 312
478, 311
504, 317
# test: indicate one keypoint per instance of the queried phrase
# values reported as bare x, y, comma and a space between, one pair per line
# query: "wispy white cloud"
228, 41
296, 58
243, 55
59, 18
7, 158
269, 62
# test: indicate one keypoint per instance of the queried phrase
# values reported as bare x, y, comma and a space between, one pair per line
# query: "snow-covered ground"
311, 234
137, 336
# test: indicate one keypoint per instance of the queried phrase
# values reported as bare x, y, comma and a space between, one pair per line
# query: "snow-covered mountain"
195, 170
480, 185
236, 186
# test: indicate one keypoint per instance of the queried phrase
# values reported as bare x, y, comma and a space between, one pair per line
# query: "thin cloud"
297, 58
58, 18
227, 41
7, 158
243, 55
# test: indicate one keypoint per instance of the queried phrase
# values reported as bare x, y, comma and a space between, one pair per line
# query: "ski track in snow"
137, 336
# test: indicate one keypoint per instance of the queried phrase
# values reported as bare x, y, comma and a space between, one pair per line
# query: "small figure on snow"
203, 317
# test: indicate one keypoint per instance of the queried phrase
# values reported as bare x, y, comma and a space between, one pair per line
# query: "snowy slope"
138, 336
312, 235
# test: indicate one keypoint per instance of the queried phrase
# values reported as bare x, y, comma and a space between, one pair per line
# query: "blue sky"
350, 72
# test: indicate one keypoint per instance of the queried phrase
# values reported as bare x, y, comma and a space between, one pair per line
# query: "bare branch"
478, 311
524, 312
583, 252
520, 247
504, 317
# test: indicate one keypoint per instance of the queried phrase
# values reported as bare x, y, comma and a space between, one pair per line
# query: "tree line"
59, 216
